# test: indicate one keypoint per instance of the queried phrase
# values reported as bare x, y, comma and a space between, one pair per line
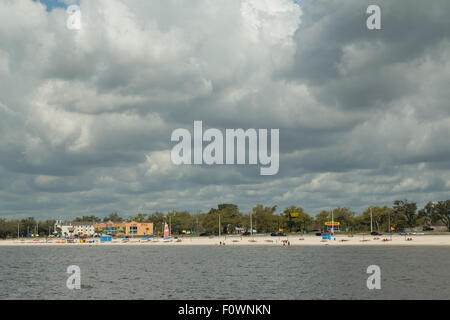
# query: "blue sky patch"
51, 4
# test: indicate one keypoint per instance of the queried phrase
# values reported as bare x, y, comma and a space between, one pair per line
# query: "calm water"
224, 272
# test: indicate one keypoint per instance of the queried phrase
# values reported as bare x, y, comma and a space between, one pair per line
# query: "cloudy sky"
86, 116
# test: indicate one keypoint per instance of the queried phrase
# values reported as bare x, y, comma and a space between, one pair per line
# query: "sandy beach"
292, 240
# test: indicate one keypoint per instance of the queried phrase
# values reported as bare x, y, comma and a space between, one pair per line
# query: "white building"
75, 228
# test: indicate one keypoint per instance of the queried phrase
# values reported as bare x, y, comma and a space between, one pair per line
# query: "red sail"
166, 230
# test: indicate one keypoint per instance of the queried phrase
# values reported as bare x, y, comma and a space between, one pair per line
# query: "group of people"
286, 243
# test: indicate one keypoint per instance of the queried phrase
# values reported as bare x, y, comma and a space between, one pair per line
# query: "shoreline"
257, 241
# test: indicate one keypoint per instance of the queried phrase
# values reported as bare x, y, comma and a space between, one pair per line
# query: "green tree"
157, 218
359, 223
404, 213
28, 225
344, 216
8, 229
113, 217
263, 218
230, 218
47, 227
295, 217
182, 220
88, 219
321, 218
380, 217
140, 218
439, 211
426, 215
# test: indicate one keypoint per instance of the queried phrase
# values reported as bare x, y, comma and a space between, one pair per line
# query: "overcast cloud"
86, 116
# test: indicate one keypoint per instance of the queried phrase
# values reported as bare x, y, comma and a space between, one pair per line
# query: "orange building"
125, 228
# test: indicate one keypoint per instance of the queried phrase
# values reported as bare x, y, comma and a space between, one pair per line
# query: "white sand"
295, 240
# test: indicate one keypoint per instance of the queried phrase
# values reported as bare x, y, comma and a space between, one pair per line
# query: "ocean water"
133, 272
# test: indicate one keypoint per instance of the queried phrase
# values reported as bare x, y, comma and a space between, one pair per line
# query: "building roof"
78, 224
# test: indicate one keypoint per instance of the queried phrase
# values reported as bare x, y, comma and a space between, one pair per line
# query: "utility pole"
219, 224
389, 221
170, 225
251, 224
332, 221
197, 224
389, 227
18, 231
371, 220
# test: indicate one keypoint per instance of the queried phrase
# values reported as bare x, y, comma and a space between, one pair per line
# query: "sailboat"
166, 231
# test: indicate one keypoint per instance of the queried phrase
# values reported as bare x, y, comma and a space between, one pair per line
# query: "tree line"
401, 215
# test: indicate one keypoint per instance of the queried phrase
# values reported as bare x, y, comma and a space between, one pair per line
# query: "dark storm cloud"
334, 28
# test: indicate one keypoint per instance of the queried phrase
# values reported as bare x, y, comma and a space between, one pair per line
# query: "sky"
86, 115
52, 4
